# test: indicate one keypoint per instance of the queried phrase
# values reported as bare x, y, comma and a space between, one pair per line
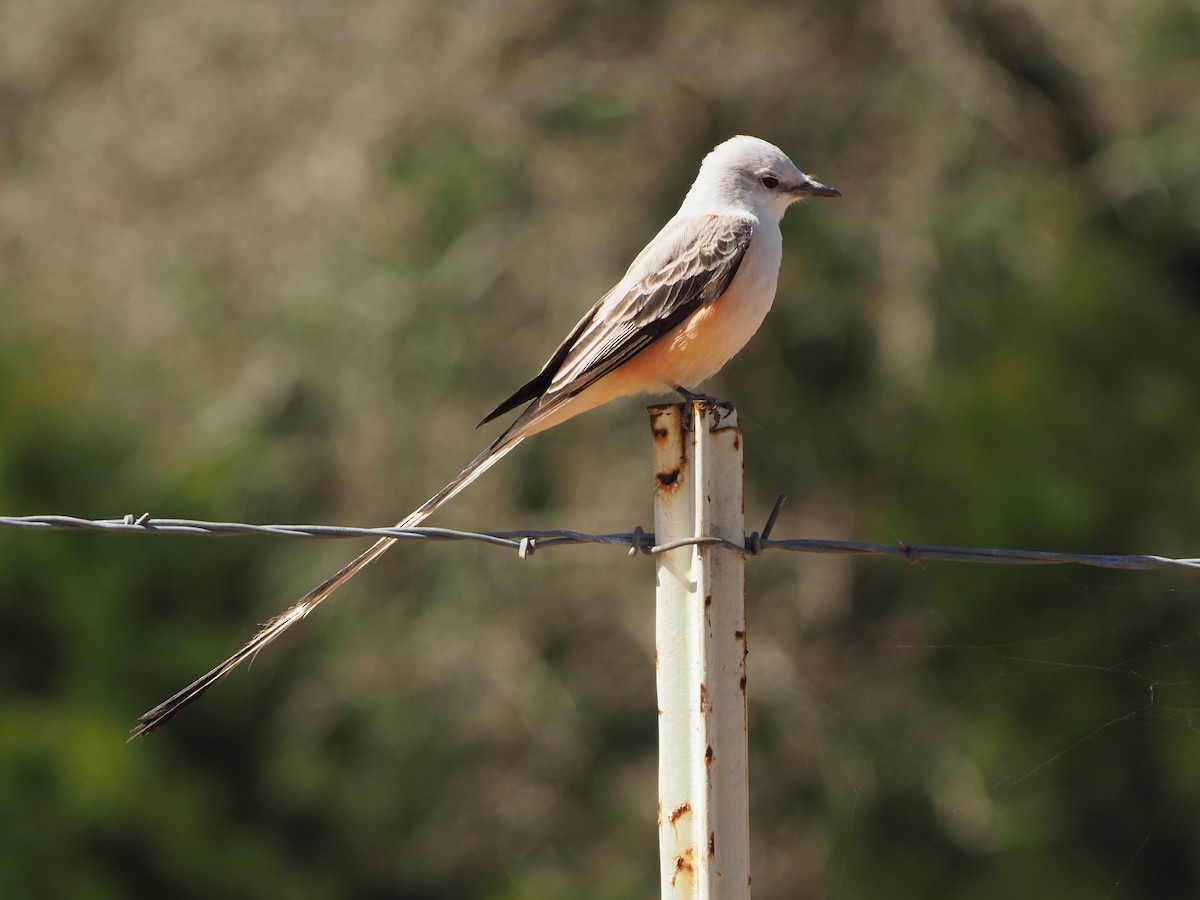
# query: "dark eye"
770, 182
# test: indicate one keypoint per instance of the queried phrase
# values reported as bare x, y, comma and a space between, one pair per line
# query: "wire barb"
770, 526
754, 543
637, 541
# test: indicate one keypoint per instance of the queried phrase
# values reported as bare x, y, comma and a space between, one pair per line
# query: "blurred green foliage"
272, 262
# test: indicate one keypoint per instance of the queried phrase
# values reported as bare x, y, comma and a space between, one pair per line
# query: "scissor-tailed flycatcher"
691, 300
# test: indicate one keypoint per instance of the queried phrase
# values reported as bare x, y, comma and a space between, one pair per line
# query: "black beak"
812, 188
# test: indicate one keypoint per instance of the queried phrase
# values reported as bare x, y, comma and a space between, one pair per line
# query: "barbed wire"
637, 541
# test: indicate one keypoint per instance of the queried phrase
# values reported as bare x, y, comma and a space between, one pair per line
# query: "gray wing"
689, 265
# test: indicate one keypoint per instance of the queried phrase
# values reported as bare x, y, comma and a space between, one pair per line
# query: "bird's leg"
691, 397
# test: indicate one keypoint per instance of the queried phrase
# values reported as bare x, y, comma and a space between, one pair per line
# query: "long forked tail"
158, 716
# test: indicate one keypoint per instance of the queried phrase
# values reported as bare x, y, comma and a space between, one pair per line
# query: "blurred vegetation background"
271, 262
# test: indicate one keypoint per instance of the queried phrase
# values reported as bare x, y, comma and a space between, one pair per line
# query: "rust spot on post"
658, 431
670, 454
682, 864
708, 755
712, 845
681, 810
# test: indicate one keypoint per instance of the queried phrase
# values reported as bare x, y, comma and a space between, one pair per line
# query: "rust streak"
681, 810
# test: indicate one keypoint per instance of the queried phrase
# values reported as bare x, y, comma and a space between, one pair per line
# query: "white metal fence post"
704, 812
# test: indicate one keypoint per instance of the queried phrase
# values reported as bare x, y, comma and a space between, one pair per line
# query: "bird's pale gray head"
752, 172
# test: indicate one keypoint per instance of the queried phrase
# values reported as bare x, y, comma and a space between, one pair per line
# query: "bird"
690, 300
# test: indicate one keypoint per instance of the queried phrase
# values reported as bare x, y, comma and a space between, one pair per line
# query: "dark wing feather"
536, 386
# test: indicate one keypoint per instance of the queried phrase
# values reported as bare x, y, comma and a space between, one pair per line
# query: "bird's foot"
720, 408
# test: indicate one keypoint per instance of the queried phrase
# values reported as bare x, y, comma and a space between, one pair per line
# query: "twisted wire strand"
526, 542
